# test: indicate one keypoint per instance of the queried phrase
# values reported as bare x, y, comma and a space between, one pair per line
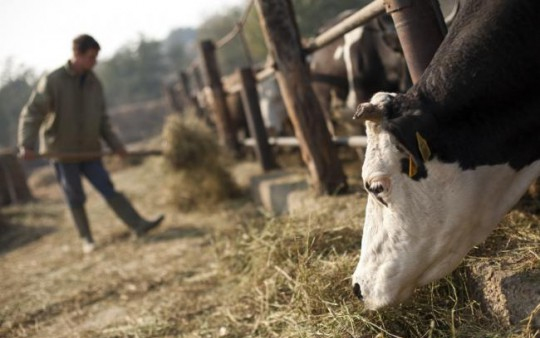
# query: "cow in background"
446, 160
351, 69
273, 110
364, 61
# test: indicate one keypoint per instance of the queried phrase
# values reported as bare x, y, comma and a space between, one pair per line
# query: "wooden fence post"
196, 72
250, 101
172, 95
186, 90
283, 41
212, 76
13, 186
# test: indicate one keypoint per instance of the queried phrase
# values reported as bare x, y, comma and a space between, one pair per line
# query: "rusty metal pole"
420, 31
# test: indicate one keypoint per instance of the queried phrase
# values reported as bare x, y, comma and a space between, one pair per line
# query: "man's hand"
27, 154
122, 152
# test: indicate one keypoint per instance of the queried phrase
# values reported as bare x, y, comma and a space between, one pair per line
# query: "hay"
291, 278
200, 188
189, 144
197, 177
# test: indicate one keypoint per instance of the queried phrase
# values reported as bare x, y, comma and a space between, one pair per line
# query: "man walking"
67, 110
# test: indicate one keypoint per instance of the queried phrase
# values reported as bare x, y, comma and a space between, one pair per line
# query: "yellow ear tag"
423, 147
412, 167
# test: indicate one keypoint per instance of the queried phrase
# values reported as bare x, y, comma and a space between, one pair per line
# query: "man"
67, 110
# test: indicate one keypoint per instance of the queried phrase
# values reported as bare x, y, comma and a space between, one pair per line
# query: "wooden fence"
283, 41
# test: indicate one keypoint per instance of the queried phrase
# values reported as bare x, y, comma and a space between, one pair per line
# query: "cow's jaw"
417, 231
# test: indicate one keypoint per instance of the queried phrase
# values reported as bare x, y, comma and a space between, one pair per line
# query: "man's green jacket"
68, 112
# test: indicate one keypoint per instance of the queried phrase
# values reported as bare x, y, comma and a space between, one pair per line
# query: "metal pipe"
420, 31
291, 141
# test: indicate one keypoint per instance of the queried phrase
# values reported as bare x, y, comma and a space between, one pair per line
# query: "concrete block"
271, 190
509, 296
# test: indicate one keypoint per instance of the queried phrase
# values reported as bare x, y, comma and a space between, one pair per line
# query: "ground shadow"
173, 233
14, 236
528, 204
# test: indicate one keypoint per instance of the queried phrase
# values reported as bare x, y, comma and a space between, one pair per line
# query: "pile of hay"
290, 277
198, 178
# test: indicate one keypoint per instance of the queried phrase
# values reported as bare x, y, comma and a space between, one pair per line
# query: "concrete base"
271, 190
509, 296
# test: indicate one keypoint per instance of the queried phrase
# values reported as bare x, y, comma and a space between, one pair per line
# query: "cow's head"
422, 215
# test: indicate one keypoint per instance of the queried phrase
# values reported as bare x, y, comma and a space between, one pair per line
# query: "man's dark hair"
85, 42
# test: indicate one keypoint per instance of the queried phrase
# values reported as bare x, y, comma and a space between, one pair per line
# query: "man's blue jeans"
69, 177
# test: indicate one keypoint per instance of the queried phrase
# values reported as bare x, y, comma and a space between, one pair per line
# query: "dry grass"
189, 144
232, 272
293, 280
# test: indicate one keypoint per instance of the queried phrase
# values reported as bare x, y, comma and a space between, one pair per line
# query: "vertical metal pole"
420, 31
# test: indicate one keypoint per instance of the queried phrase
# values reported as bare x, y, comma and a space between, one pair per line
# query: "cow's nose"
357, 292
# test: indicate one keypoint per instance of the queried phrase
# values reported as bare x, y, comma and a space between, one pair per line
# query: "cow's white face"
417, 231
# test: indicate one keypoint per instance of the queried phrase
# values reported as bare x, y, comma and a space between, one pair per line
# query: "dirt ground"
227, 271
127, 287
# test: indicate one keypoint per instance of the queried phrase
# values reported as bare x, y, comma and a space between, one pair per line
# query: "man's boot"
125, 211
81, 223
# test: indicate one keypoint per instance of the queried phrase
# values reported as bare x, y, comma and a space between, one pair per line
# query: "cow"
354, 67
364, 61
446, 160
273, 111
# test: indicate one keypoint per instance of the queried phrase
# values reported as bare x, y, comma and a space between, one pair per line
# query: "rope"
238, 28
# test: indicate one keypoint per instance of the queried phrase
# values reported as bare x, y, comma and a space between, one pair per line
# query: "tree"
310, 16
135, 73
16, 87
180, 48
232, 55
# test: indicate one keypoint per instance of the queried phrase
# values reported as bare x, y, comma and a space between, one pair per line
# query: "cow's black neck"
478, 99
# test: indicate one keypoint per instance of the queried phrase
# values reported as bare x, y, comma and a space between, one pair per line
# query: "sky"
38, 33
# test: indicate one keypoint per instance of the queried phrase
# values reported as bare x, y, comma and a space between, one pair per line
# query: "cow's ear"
423, 147
414, 133
415, 165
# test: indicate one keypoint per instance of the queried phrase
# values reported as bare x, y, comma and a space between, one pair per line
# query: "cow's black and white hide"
446, 160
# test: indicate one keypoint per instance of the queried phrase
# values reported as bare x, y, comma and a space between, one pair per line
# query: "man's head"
85, 52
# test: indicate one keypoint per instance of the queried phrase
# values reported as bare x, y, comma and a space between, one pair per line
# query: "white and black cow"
353, 68
446, 160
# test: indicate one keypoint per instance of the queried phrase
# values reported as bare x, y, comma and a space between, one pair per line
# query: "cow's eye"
376, 188
379, 188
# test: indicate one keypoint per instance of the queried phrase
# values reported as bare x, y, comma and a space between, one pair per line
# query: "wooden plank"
212, 77
283, 40
250, 100
13, 185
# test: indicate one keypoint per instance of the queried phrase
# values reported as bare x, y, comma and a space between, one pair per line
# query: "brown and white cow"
446, 160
